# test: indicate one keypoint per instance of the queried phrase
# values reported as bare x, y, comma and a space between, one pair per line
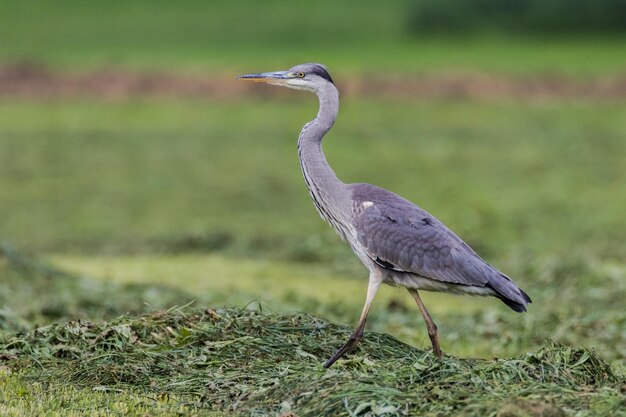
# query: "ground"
160, 254
204, 361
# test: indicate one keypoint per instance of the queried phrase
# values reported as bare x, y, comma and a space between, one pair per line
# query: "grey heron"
398, 242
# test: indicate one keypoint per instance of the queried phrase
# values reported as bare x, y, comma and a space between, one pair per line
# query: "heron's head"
309, 77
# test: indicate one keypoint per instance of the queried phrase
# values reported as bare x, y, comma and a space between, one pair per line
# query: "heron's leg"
372, 288
430, 324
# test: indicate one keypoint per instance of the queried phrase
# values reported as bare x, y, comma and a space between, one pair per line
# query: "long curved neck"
314, 166
327, 191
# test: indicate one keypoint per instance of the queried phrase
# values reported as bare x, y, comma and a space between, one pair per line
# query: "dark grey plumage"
398, 242
321, 71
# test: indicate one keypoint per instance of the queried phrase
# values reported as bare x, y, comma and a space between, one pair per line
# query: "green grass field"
157, 193
161, 256
535, 179
349, 36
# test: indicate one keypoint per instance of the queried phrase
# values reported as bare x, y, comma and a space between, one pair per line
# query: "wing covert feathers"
398, 235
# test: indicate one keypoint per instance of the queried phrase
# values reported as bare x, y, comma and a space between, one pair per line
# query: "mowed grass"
233, 361
565, 293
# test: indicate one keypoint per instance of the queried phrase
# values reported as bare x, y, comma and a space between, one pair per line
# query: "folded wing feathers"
396, 232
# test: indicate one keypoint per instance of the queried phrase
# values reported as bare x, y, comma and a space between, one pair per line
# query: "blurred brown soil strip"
36, 82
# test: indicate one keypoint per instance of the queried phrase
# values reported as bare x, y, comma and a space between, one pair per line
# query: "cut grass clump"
242, 361
267, 364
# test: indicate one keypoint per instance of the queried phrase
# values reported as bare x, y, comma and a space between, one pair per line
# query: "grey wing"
401, 236
398, 235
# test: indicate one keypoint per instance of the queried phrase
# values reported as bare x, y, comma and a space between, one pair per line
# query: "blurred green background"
129, 153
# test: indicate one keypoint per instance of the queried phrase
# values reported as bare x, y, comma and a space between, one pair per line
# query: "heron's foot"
434, 340
353, 341
437, 352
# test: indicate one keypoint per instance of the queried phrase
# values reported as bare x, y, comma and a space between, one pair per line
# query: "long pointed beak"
266, 77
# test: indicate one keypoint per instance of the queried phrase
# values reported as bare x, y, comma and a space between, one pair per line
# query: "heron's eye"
300, 75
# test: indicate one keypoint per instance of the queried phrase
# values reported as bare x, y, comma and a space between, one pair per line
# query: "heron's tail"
510, 294
514, 305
